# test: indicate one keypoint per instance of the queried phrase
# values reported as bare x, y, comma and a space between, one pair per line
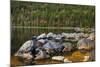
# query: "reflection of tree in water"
75, 56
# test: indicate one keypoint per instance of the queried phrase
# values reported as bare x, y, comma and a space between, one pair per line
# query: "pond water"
20, 35
15, 61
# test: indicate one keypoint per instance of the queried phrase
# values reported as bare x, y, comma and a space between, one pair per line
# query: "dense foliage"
49, 14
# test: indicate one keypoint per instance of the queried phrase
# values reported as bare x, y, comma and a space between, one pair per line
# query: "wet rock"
86, 44
25, 48
41, 55
67, 46
51, 46
59, 58
67, 61
43, 35
92, 36
86, 58
27, 56
86, 35
50, 34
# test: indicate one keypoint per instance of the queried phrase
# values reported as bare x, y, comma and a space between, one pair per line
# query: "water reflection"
20, 35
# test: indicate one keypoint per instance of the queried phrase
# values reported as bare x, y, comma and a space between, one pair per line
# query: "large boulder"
25, 48
86, 44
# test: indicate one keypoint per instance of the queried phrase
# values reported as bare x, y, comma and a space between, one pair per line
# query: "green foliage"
49, 14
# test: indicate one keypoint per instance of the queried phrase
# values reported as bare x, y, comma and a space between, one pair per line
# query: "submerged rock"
77, 57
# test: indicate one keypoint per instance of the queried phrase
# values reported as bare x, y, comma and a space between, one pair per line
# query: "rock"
50, 51
59, 58
41, 55
26, 47
68, 46
50, 46
86, 58
92, 36
67, 61
86, 35
27, 56
50, 34
43, 35
85, 44
77, 29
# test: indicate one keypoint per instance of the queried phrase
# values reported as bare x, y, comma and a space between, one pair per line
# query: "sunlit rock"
67, 61
59, 58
